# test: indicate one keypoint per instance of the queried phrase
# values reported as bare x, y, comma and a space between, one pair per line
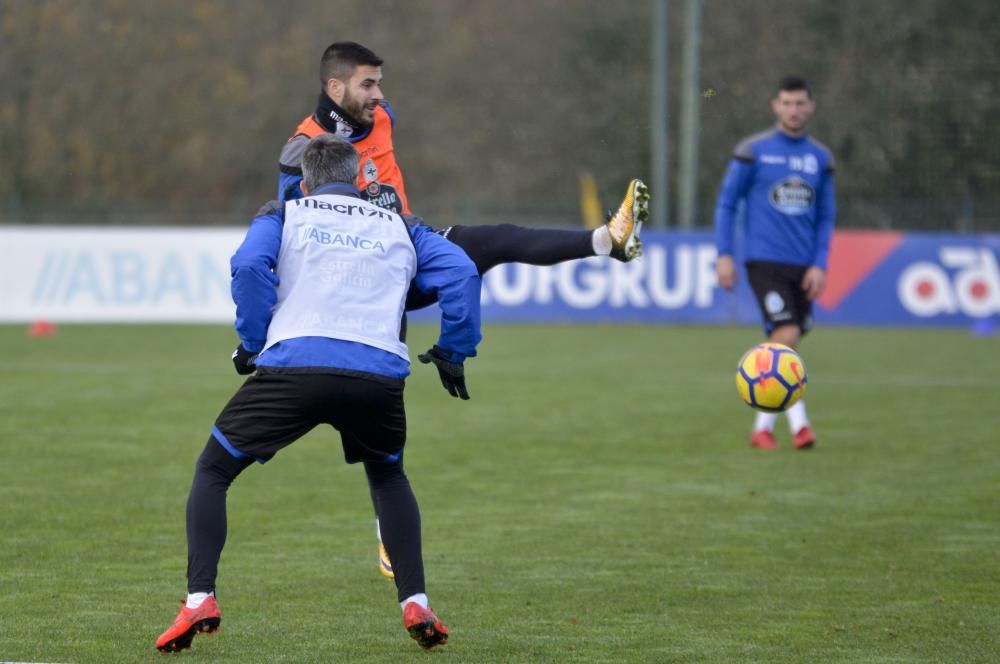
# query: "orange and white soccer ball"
771, 377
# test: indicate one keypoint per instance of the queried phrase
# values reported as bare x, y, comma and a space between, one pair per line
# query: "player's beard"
793, 128
356, 110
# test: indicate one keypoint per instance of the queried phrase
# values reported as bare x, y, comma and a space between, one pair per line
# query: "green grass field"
595, 501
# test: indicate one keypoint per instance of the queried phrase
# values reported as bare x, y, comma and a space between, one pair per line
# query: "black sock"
206, 513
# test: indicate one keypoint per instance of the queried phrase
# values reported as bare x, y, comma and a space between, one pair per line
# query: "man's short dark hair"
327, 159
340, 59
794, 83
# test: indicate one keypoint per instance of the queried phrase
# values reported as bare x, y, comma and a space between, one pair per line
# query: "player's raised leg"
491, 245
384, 564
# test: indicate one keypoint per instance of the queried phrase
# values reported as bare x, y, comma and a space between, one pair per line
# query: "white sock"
194, 600
601, 241
419, 598
378, 530
765, 422
797, 417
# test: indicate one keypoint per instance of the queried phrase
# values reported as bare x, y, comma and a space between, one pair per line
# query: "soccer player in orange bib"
351, 105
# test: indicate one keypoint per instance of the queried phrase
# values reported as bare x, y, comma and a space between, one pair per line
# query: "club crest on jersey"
792, 196
370, 170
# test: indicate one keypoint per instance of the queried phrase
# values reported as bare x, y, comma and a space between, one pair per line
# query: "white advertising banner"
129, 274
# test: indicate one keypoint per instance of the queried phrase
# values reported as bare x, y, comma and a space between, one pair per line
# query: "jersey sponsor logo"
314, 320
772, 159
383, 195
357, 274
793, 196
926, 289
346, 240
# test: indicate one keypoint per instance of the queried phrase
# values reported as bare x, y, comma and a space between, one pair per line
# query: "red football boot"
764, 440
805, 438
425, 627
188, 623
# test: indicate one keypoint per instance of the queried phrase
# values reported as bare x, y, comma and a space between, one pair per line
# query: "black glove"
452, 373
244, 361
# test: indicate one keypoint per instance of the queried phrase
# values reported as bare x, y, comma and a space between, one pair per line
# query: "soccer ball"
771, 377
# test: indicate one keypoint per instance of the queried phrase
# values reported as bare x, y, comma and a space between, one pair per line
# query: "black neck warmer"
335, 119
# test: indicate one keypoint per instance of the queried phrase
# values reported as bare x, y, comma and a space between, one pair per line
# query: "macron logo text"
344, 208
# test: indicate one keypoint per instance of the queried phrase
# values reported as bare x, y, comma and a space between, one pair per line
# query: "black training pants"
269, 412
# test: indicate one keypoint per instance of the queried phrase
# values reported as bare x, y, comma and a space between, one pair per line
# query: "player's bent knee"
217, 461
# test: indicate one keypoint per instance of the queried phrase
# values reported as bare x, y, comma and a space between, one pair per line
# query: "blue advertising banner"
875, 278
881, 278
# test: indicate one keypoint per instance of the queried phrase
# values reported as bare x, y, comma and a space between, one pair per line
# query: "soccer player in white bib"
320, 285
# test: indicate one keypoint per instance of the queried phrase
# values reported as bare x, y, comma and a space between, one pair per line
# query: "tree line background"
117, 111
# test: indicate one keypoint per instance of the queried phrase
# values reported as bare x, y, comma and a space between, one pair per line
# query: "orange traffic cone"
41, 328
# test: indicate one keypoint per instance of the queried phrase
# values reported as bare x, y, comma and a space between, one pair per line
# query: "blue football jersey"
788, 188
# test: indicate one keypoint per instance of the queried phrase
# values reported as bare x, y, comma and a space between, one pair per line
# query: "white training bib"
344, 267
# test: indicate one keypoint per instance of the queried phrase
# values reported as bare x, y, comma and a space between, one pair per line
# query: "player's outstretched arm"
445, 269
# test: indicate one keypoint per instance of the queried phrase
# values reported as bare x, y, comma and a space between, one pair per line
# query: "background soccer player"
786, 179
